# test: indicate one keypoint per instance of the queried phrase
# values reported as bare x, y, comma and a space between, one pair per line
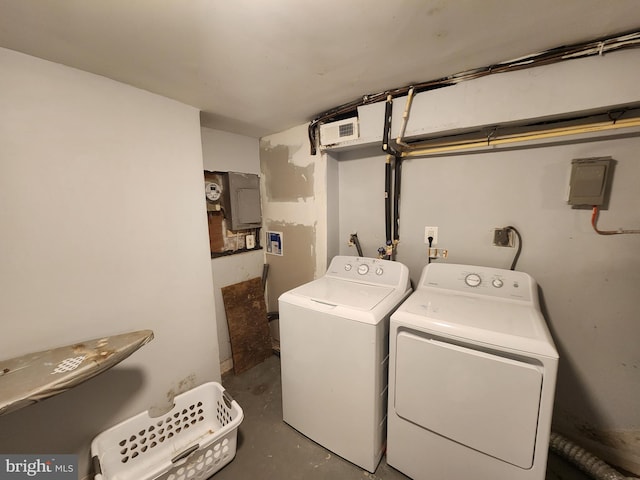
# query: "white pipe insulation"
585, 461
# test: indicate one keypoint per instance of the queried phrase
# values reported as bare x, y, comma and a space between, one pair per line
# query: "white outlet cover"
431, 232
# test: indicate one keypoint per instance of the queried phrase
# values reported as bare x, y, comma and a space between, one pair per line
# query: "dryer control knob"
379, 271
347, 267
497, 283
473, 280
363, 269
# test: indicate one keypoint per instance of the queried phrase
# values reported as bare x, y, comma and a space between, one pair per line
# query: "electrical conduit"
387, 198
386, 252
396, 200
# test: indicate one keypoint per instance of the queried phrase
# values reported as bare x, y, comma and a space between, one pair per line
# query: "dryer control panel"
369, 270
494, 282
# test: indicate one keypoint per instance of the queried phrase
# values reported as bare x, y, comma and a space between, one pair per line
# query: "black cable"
386, 132
517, 255
396, 199
430, 239
265, 273
387, 200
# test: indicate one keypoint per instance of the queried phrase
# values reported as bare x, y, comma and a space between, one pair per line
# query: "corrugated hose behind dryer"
585, 461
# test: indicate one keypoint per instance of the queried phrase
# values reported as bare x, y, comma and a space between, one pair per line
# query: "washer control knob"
363, 269
473, 280
497, 283
379, 271
348, 267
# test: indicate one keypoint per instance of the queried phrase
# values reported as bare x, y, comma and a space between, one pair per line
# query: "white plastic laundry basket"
191, 442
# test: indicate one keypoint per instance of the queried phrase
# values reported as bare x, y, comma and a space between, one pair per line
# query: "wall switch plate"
431, 232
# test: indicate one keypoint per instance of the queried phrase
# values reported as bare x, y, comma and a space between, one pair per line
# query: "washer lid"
333, 291
489, 320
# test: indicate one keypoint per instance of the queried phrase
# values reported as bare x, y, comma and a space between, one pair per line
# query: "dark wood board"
248, 325
216, 233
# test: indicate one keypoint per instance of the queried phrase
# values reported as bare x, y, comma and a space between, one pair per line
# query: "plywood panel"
248, 325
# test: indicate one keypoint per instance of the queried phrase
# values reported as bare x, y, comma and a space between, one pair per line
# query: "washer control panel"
369, 270
489, 281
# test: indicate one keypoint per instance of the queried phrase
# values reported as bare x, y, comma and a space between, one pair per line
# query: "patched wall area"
295, 266
294, 195
284, 181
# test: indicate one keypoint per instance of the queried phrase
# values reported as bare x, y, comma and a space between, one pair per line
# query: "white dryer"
472, 377
334, 341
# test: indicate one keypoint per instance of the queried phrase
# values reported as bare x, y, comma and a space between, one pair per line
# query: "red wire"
594, 219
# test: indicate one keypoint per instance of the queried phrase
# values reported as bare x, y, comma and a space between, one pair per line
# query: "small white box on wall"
274, 243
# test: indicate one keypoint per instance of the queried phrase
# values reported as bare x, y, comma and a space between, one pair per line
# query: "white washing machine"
334, 343
472, 377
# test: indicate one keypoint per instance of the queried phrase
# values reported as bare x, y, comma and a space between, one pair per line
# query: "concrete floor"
269, 449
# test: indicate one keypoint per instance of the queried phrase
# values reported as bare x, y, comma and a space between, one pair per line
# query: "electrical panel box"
233, 210
242, 197
589, 180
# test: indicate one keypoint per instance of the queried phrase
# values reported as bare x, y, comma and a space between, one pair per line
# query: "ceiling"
257, 67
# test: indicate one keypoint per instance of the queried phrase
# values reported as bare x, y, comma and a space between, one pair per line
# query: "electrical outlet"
431, 232
503, 237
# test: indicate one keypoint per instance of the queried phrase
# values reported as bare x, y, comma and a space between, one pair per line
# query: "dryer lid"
334, 291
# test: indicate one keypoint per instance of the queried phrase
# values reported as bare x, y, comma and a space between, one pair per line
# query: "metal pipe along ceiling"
421, 149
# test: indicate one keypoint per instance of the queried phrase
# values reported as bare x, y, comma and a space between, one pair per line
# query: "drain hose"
585, 461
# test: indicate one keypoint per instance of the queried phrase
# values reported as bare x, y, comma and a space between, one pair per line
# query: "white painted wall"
589, 283
103, 231
224, 152
229, 152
